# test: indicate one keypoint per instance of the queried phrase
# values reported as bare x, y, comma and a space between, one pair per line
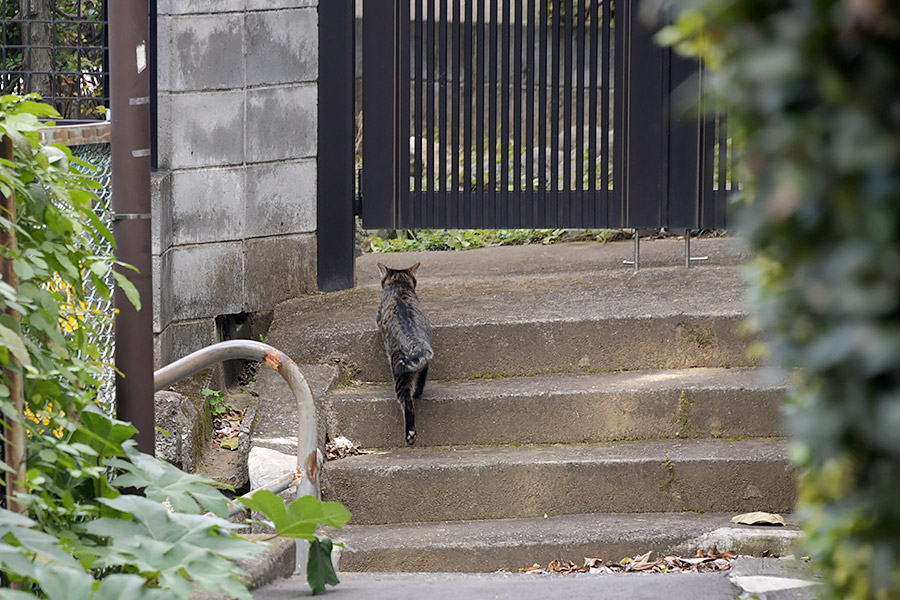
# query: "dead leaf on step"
642, 563
706, 561
341, 447
759, 518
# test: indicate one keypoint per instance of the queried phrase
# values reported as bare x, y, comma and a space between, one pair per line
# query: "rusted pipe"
130, 131
14, 446
308, 456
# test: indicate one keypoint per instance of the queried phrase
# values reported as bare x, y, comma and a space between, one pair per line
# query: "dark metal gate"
532, 113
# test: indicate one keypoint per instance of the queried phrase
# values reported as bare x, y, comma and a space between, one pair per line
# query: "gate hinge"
357, 200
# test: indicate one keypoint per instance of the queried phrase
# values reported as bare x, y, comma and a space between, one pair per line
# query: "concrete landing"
631, 405
536, 310
513, 544
457, 586
464, 483
781, 580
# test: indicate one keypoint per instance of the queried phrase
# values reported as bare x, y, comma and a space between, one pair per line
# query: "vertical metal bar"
492, 118
454, 111
580, 211
637, 250
616, 41
480, 215
14, 444
502, 208
130, 129
688, 259
542, 211
105, 80
594, 216
54, 87
707, 158
430, 81
636, 260
569, 44
722, 194
379, 184
402, 107
335, 251
418, 131
468, 96
442, 130
555, 48
684, 149
530, 212
517, 193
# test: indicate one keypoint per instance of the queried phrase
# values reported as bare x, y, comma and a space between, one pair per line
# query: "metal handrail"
309, 459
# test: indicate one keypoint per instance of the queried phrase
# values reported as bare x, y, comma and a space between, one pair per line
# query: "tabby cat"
406, 334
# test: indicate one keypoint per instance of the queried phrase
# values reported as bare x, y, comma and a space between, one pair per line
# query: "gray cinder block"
281, 123
280, 198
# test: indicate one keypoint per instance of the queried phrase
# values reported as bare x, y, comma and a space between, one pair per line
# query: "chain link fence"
100, 157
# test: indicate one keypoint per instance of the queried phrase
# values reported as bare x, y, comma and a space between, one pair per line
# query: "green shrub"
86, 534
812, 87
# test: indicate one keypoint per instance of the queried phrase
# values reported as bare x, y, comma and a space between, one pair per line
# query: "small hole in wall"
241, 326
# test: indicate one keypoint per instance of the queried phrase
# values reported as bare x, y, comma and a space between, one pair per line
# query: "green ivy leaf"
65, 583
319, 569
15, 345
173, 546
102, 433
130, 291
161, 481
38, 109
301, 517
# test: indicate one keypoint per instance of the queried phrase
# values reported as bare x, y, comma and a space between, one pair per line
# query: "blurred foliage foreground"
83, 533
813, 87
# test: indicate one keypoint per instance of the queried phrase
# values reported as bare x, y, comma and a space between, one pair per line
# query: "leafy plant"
469, 239
216, 402
82, 536
300, 520
811, 88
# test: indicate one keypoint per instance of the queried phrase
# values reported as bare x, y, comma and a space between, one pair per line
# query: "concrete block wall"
234, 199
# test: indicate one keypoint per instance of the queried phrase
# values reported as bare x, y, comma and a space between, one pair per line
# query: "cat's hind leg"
420, 382
403, 383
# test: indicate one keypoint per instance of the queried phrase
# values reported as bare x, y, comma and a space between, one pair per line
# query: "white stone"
267, 465
763, 584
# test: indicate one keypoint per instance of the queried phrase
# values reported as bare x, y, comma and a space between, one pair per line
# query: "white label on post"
141, 52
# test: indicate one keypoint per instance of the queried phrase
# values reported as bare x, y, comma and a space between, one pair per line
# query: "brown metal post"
14, 446
130, 115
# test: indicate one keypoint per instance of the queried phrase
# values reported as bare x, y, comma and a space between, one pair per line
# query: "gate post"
336, 224
660, 140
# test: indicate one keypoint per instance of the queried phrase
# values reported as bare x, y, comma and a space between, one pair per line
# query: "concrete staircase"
575, 408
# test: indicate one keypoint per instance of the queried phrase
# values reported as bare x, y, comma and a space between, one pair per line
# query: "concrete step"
632, 405
519, 586
526, 324
471, 483
512, 544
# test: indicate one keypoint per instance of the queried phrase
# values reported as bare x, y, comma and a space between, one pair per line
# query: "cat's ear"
412, 269
383, 269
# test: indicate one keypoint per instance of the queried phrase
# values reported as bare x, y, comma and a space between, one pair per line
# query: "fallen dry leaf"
341, 447
706, 561
642, 563
759, 518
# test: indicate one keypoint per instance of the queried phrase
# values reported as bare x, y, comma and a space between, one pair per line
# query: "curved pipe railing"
309, 458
